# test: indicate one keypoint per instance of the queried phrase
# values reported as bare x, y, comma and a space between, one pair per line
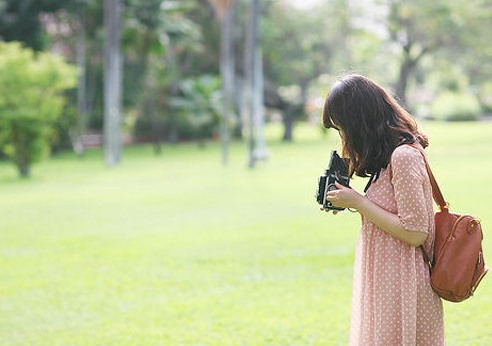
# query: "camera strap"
374, 177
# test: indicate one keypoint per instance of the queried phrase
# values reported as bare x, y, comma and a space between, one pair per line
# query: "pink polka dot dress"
392, 300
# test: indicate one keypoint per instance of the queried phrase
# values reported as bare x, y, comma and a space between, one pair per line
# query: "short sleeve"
408, 178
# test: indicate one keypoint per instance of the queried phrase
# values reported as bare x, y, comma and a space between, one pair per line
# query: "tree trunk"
407, 68
24, 171
288, 120
274, 100
81, 85
238, 101
112, 83
289, 116
260, 152
149, 107
22, 158
227, 74
293, 112
250, 66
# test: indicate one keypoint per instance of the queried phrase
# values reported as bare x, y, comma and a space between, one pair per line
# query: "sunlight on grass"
178, 250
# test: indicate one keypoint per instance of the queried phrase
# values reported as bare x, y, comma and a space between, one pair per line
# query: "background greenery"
433, 55
179, 250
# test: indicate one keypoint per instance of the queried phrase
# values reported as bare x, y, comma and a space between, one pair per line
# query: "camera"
337, 172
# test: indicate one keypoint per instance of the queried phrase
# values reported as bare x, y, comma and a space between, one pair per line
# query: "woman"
392, 300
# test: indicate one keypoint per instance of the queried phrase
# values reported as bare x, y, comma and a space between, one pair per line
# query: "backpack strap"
436, 194
436, 191
426, 258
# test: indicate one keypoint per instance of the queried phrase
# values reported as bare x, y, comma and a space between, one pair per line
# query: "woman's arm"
390, 223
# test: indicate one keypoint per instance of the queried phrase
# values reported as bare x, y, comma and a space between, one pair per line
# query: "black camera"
337, 172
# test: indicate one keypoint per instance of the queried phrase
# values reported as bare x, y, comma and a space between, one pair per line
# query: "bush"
31, 102
198, 108
452, 106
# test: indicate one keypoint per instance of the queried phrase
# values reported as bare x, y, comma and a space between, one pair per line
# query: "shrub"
199, 107
31, 101
452, 106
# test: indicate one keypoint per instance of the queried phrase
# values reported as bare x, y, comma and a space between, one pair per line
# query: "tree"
76, 32
161, 42
253, 86
31, 101
421, 27
225, 13
143, 22
476, 55
112, 83
20, 20
304, 48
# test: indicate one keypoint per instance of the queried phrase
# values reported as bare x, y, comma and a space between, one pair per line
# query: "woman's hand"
344, 197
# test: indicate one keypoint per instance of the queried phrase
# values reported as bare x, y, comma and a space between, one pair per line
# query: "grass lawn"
179, 250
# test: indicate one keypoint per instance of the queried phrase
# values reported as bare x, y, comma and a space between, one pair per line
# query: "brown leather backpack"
458, 265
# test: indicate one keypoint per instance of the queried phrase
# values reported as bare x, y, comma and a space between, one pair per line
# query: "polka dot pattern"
392, 300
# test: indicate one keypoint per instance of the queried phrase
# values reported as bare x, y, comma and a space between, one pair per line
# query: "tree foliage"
20, 20
407, 44
198, 106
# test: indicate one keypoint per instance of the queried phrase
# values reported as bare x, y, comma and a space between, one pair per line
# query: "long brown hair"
371, 123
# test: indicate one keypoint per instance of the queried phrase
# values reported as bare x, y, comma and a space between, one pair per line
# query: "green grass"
179, 250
